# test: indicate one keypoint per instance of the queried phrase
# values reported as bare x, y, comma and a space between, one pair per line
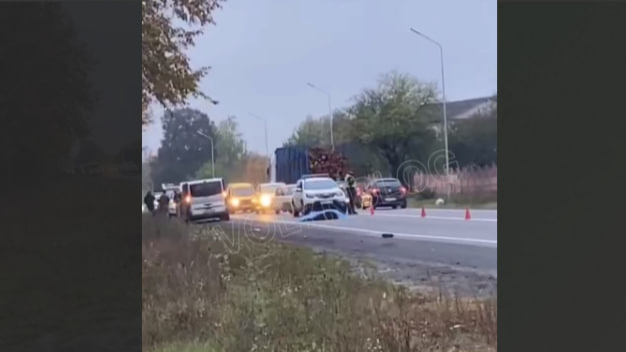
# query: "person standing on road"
178, 198
148, 200
351, 188
164, 204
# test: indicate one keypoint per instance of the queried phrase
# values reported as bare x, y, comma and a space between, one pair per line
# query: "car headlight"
234, 202
266, 200
341, 194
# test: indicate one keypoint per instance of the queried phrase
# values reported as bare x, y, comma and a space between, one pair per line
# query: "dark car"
387, 192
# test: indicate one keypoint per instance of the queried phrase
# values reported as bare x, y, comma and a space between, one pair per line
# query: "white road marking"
373, 233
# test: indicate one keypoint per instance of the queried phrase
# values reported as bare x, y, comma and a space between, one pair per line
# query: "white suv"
318, 193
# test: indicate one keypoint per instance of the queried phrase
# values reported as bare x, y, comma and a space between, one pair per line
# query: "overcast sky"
262, 53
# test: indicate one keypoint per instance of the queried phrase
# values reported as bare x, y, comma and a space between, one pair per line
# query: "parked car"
387, 192
265, 195
281, 202
205, 200
317, 193
241, 197
362, 201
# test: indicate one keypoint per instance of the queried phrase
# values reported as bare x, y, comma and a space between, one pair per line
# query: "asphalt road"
443, 246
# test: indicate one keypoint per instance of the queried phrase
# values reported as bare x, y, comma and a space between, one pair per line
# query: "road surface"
442, 248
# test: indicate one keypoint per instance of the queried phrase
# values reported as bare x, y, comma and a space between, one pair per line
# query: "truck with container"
290, 163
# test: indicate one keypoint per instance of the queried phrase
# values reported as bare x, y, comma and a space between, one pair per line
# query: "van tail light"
358, 191
188, 199
403, 190
375, 190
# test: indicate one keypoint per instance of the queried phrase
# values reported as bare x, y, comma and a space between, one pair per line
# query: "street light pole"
330, 113
212, 152
443, 88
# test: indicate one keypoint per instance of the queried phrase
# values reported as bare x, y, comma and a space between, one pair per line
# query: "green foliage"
183, 149
229, 161
396, 121
43, 122
169, 29
315, 132
391, 118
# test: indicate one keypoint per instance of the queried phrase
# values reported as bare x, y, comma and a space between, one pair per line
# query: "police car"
316, 193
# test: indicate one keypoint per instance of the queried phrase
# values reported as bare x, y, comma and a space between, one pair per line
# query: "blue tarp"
327, 214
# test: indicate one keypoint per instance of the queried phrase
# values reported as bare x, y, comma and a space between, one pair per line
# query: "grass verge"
202, 292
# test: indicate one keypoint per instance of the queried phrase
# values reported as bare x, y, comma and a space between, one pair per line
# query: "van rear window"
206, 189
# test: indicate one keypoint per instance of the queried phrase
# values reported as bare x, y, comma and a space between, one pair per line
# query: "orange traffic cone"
371, 210
423, 212
467, 214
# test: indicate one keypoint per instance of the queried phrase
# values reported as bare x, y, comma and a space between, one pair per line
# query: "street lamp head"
415, 31
311, 85
204, 135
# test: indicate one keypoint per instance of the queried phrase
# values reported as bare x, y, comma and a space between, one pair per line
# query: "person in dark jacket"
164, 204
148, 200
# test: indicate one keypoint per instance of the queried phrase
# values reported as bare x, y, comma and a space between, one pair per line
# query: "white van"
204, 199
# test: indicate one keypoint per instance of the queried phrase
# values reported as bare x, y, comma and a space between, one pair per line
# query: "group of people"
163, 201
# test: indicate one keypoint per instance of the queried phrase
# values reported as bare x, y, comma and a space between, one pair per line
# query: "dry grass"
489, 202
200, 296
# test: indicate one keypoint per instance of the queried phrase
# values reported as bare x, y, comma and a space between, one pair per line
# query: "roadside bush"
426, 194
202, 293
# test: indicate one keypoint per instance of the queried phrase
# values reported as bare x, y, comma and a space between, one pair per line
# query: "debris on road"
387, 235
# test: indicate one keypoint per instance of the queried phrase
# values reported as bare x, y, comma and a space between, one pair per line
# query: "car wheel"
225, 217
277, 212
403, 206
394, 207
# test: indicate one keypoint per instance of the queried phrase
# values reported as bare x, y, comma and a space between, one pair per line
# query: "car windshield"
205, 189
320, 184
242, 191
